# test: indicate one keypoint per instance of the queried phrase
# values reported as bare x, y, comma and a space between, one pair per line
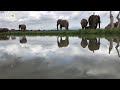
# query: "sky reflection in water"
47, 57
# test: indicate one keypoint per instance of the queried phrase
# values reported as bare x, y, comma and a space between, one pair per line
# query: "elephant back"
91, 19
64, 22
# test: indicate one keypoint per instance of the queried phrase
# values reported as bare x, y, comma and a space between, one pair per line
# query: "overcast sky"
47, 19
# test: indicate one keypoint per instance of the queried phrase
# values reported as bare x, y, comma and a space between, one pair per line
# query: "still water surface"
52, 57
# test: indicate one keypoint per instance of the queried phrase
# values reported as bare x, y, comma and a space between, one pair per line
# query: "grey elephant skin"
94, 20
84, 23
62, 23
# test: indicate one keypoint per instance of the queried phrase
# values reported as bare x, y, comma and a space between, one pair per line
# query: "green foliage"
63, 32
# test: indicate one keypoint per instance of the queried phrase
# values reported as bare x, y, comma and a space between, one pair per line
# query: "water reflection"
62, 42
13, 37
116, 40
84, 42
92, 43
23, 39
43, 57
4, 37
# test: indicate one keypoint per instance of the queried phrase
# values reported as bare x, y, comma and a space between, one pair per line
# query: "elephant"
63, 43
94, 20
94, 44
84, 42
84, 23
62, 23
23, 39
4, 29
22, 27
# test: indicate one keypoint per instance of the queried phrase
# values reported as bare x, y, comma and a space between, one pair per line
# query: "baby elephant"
84, 23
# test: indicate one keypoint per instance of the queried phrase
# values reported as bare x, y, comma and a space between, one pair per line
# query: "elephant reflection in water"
62, 42
23, 39
93, 44
84, 42
13, 37
116, 40
4, 37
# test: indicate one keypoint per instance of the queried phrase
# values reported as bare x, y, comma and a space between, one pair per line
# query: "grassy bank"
63, 32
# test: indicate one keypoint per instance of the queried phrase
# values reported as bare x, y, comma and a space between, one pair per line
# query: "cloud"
47, 19
43, 59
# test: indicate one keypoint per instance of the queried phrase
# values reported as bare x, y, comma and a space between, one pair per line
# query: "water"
44, 57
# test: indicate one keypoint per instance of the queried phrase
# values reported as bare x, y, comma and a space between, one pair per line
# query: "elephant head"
22, 27
23, 39
84, 23
94, 44
94, 20
84, 42
62, 23
63, 43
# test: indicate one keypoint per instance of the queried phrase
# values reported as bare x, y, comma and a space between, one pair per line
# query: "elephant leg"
82, 27
60, 27
66, 28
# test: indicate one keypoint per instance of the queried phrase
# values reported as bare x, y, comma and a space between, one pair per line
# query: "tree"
111, 20
111, 24
118, 26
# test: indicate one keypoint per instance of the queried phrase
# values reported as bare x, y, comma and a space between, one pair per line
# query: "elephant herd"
92, 44
22, 27
93, 20
22, 39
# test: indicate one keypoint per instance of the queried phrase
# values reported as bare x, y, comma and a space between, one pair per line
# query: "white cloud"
47, 19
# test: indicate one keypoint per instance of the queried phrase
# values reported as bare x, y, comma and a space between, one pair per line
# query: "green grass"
64, 32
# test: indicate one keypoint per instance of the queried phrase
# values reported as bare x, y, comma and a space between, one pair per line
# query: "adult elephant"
63, 43
62, 23
84, 23
94, 20
23, 39
22, 27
